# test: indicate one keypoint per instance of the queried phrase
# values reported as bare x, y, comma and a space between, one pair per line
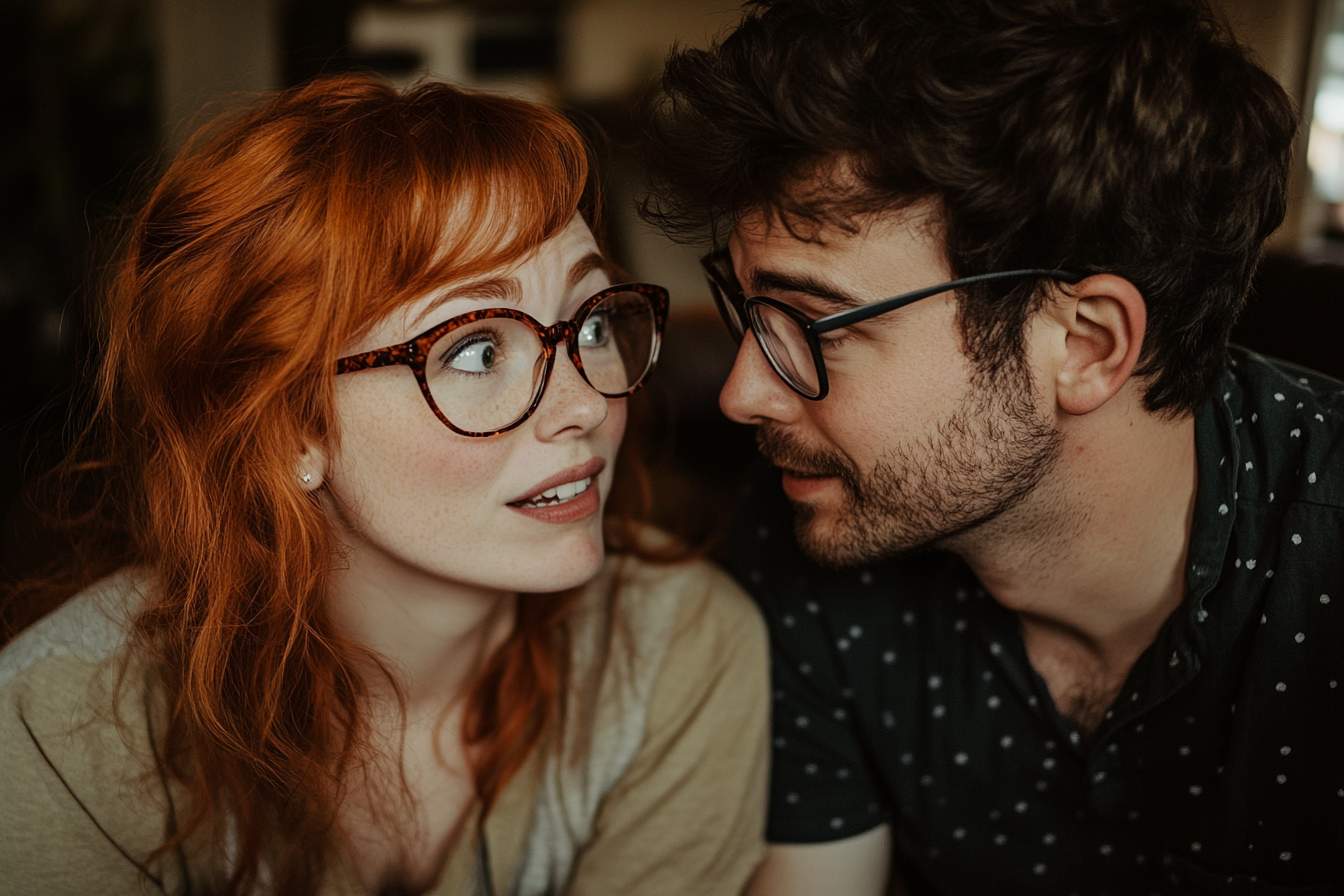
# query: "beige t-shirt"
656, 787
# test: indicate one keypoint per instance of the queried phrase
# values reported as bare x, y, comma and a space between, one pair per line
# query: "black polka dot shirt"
903, 693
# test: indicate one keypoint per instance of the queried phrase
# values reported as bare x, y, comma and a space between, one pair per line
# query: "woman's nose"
569, 404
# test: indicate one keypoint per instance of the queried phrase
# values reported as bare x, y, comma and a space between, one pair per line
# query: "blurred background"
96, 94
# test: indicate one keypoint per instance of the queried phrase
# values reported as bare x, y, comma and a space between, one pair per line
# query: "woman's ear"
311, 466
1103, 319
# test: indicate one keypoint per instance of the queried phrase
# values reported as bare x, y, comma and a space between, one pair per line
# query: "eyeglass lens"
785, 346
485, 375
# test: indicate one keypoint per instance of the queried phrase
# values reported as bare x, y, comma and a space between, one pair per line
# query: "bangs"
441, 185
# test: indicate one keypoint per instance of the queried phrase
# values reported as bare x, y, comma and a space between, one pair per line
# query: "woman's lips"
580, 506
571, 511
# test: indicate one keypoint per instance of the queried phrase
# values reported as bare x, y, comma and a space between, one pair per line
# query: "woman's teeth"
561, 493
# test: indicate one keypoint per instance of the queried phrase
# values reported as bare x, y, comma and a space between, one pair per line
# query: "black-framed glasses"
485, 372
789, 338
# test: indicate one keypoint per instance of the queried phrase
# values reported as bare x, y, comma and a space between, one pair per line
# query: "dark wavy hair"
1134, 137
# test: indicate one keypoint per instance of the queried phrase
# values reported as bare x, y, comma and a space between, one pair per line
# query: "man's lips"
587, 470
801, 484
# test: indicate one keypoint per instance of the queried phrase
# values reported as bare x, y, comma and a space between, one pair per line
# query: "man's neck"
1093, 560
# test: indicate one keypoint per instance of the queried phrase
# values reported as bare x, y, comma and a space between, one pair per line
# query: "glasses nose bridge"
560, 331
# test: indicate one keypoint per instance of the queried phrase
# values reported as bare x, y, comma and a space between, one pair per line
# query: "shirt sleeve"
688, 815
821, 784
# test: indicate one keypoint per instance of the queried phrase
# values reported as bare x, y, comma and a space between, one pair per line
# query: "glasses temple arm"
855, 315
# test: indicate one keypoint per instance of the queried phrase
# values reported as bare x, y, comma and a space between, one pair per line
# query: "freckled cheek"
398, 463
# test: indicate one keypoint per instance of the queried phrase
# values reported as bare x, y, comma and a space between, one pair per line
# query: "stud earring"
307, 478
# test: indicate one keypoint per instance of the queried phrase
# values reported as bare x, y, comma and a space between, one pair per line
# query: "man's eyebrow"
764, 280
583, 267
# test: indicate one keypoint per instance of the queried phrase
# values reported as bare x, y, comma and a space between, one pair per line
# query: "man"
1060, 605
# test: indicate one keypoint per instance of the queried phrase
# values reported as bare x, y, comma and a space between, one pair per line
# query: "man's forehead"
778, 228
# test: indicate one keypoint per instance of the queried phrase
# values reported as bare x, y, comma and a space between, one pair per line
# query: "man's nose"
753, 392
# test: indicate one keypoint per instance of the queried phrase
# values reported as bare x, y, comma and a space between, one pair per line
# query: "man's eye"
595, 331
477, 355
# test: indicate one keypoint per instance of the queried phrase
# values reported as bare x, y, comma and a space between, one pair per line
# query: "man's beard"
979, 462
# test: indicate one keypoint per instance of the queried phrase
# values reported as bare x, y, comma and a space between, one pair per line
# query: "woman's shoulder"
697, 594
80, 785
86, 631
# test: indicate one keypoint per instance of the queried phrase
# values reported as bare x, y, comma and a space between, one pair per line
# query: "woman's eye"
478, 355
595, 331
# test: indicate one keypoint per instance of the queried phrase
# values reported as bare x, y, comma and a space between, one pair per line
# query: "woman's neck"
432, 633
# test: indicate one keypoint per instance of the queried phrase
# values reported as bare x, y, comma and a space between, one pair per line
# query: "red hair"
278, 236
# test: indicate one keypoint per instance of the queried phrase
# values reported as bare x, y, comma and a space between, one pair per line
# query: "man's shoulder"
1289, 427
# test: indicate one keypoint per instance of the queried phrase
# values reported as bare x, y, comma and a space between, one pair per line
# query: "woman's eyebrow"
583, 267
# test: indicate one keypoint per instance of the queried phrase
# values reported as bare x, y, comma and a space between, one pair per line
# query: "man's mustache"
786, 450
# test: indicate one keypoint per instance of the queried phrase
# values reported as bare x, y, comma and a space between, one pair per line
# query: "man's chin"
842, 540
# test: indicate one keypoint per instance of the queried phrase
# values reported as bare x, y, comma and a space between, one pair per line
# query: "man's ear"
311, 467
1102, 320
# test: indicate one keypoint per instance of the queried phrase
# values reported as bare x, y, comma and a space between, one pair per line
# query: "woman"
347, 621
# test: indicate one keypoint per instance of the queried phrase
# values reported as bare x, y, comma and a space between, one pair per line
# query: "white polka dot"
1105, 849
889, 657
959, 834
839, 715
1099, 777
907, 758
927, 780
789, 622
843, 643
1249, 465
995, 648
1311, 477
837, 823
1278, 396
1325, 598
935, 682
1299, 637
1039, 868
1041, 785
1297, 538
1195, 847
763, 533
1281, 687
1250, 564
855, 631
805, 668
810, 768
993, 702
1073, 737
1285, 856
959, 625
866, 577
1222, 508
1196, 790
908, 618
812, 607
1048, 763
1048, 839
1333, 683
939, 711
961, 759
802, 721
1295, 433
1184, 751
1282, 779
1000, 839
780, 743
888, 719
1020, 806
1285, 750
791, 798
1006, 741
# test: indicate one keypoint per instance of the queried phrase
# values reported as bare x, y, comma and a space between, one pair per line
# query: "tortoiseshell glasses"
485, 372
